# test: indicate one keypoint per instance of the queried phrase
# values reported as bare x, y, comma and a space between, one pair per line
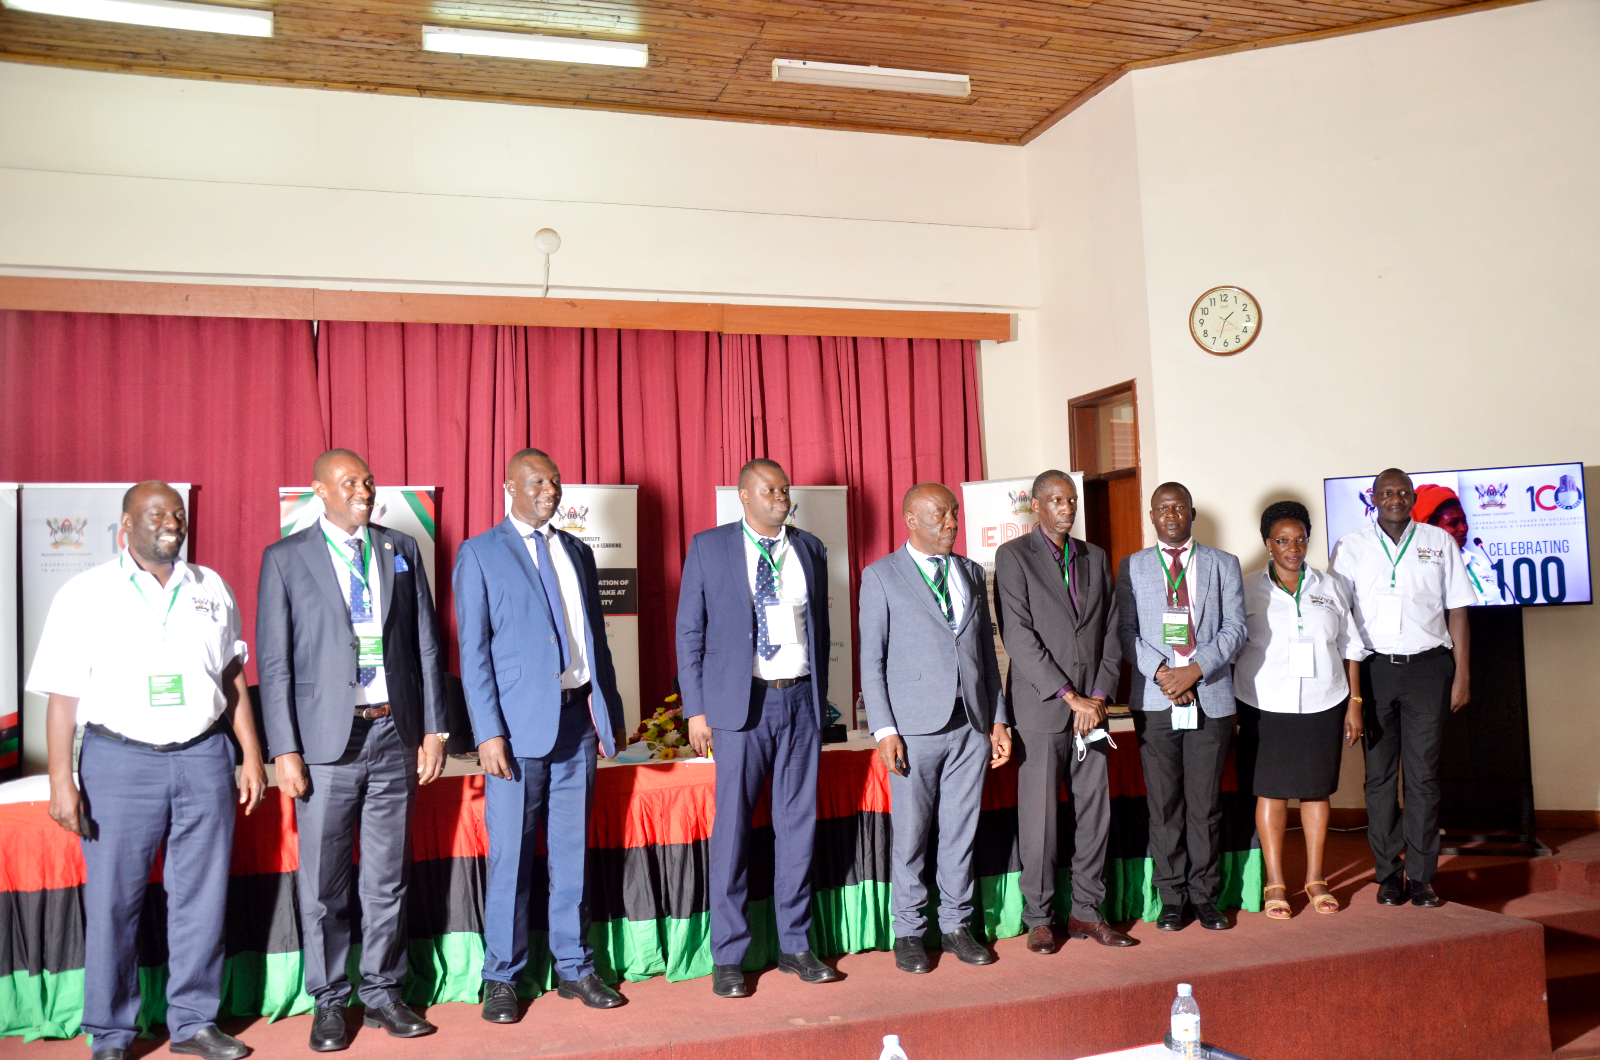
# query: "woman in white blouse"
1293, 679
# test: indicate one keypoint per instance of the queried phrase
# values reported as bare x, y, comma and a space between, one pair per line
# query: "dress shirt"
1261, 673
114, 627
377, 691
1185, 554
1062, 558
576, 675
1431, 578
954, 584
792, 660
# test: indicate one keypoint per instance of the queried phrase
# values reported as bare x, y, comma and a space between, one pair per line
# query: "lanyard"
172, 597
942, 594
1173, 583
1393, 557
776, 564
1066, 563
362, 576
1298, 589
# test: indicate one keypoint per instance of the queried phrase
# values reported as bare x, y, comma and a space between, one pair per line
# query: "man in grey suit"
932, 686
353, 698
1056, 606
1180, 611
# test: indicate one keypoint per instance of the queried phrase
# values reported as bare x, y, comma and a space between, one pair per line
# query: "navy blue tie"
360, 605
766, 593
552, 596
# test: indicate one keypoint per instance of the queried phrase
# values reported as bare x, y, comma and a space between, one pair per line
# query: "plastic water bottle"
891, 1048
1186, 1024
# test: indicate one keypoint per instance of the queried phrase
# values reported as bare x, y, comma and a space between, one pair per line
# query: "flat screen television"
1522, 529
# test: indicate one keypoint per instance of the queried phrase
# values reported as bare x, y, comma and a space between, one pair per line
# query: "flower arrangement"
665, 732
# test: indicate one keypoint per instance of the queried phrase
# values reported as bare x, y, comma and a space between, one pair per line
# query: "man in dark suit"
1180, 612
542, 693
353, 698
1056, 606
935, 705
753, 667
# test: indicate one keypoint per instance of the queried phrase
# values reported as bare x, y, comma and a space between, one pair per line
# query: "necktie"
941, 590
552, 596
766, 592
1180, 600
360, 604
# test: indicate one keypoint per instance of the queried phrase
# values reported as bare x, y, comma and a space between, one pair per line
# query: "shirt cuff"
887, 730
1064, 690
1097, 694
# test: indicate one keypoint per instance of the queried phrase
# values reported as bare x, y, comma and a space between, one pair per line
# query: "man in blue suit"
542, 694
1180, 611
753, 668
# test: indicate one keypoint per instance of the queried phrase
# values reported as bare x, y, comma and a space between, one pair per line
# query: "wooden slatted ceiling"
1028, 59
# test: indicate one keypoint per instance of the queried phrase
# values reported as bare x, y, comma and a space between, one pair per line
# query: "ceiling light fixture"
167, 14
532, 46
883, 78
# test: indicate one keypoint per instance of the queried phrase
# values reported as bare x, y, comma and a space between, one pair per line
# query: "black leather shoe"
212, 1043
1422, 894
807, 967
1392, 891
910, 956
591, 991
109, 1054
1211, 918
961, 943
1173, 916
500, 1002
727, 980
328, 1033
398, 1020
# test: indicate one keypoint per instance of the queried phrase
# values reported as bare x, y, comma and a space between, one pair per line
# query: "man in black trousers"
1056, 606
353, 698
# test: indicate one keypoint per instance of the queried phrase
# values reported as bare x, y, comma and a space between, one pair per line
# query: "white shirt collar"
783, 532
523, 529
131, 568
341, 537
922, 557
1185, 547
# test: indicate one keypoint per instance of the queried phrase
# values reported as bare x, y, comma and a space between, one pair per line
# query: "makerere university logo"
1491, 496
67, 533
1021, 502
574, 518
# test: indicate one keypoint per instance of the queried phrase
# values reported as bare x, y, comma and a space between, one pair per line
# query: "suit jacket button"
557, 675
552, 640
353, 684
353, 644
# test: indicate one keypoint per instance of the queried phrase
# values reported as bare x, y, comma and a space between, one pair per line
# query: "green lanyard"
777, 564
1173, 583
362, 576
941, 594
1394, 557
172, 596
1298, 589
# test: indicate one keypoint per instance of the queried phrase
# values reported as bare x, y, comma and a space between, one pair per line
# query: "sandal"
1277, 908
1322, 903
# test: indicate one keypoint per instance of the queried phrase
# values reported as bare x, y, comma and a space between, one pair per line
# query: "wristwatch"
444, 737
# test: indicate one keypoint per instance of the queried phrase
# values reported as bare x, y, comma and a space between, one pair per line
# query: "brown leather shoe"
1100, 931
1042, 940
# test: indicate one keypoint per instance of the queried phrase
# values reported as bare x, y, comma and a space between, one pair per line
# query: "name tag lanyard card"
1386, 621
1175, 635
783, 620
369, 651
164, 690
1302, 659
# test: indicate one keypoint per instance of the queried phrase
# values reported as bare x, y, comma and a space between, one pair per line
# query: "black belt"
570, 696
164, 748
373, 713
1402, 660
780, 682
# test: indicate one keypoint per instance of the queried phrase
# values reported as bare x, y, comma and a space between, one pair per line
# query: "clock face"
1225, 320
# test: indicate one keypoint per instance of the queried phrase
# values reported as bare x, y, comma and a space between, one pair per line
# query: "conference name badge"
1175, 628
166, 690
783, 622
370, 652
1386, 615
1302, 659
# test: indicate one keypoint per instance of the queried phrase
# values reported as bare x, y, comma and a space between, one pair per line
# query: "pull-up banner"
996, 511
10, 662
408, 509
823, 511
67, 528
606, 518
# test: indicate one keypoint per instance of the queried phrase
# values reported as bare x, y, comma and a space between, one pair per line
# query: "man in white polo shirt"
1411, 595
144, 652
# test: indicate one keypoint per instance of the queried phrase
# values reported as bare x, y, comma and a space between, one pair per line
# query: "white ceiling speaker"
546, 241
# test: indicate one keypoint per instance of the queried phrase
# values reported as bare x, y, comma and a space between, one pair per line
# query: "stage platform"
1449, 984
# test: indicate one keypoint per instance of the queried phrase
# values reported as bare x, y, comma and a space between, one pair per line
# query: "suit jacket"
510, 648
1048, 643
717, 625
306, 646
1216, 598
912, 665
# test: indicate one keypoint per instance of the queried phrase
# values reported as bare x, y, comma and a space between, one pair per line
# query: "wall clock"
1225, 320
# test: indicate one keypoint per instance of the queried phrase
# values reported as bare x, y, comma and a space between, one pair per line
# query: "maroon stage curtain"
229, 405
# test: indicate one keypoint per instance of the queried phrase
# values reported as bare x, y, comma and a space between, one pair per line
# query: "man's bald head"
155, 524
136, 495
931, 491
323, 468
1394, 474
930, 511
522, 455
533, 482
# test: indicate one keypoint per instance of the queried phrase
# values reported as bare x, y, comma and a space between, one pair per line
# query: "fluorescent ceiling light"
168, 14
884, 78
532, 46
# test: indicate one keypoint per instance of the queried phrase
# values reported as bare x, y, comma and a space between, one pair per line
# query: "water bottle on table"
1185, 1024
891, 1048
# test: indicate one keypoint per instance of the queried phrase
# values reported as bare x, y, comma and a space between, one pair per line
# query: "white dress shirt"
1430, 578
792, 660
1185, 555
115, 638
954, 584
576, 674
369, 695
1261, 674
